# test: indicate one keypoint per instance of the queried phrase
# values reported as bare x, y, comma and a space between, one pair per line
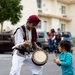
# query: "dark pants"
56, 47
51, 45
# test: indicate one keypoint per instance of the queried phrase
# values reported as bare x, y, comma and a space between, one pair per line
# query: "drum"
39, 57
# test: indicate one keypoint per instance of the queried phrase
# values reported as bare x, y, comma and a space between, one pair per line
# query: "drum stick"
18, 45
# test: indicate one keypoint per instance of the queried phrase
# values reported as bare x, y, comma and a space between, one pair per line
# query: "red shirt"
51, 35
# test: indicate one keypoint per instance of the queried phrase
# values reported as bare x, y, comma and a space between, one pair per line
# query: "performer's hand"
20, 46
36, 46
27, 43
39, 48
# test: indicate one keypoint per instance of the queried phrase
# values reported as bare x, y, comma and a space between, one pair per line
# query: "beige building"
53, 14
57, 14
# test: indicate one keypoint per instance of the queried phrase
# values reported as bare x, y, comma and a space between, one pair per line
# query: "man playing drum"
21, 43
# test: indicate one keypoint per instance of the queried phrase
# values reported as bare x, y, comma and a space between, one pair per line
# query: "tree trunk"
1, 27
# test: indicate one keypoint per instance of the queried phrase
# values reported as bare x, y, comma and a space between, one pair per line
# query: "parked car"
6, 42
67, 36
42, 39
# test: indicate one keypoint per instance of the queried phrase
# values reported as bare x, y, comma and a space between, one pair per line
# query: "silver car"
42, 39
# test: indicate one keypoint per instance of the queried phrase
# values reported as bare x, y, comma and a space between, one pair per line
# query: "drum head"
39, 57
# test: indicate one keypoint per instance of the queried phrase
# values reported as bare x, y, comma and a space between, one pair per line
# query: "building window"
39, 3
39, 25
62, 27
63, 9
45, 25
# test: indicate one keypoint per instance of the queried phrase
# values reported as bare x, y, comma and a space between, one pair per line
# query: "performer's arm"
19, 41
36, 46
34, 38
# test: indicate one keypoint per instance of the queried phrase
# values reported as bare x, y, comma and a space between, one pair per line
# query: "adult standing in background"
58, 38
51, 41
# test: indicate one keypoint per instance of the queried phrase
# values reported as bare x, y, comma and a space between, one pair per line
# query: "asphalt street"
50, 68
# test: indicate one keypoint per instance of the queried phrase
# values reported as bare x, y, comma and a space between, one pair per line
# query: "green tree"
10, 10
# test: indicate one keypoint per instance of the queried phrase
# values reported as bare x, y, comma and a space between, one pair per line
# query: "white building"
57, 14
53, 14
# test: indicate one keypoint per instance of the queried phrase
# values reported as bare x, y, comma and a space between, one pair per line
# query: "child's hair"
58, 29
66, 45
52, 30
